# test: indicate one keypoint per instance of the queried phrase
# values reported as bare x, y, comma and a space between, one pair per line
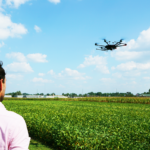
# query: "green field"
36, 145
70, 125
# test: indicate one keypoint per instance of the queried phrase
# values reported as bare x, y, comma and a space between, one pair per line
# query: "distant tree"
14, 94
91, 94
25, 94
72, 95
18, 93
98, 94
84, 95
41, 94
53, 94
67, 94
80, 95
48, 94
8, 94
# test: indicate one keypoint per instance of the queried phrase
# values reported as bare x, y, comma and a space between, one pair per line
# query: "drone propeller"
104, 39
121, 39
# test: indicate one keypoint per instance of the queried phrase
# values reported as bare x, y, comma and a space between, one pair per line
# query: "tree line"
90, 94
14, 94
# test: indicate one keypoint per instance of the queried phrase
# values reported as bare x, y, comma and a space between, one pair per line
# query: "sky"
49, 46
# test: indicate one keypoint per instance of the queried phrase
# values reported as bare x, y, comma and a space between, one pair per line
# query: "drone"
110, 46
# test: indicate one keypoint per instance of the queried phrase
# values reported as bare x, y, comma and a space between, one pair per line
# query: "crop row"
76, 125
140, 100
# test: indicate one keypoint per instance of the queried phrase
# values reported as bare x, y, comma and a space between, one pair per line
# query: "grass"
36, 145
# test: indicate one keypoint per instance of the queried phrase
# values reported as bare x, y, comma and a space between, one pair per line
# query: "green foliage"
14, 93
85, 125
52, 94
25, 94
140, 100
92, 94
66, 94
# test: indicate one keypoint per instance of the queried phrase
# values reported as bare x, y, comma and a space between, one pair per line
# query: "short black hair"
2, 72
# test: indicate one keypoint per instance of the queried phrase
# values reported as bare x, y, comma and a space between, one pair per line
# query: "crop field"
74, 125
139, 100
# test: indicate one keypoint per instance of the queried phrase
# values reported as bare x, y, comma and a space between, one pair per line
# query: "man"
13, 130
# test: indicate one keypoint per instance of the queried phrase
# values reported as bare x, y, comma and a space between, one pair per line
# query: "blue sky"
48, 46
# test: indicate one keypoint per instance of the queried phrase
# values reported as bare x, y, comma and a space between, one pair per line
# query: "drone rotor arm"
99, 45
107, 43
118, 43
122, 44
102, 49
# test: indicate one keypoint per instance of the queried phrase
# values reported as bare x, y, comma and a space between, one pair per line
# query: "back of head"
2, 72
2, 87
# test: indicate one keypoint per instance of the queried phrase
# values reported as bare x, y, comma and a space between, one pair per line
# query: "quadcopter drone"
110, 46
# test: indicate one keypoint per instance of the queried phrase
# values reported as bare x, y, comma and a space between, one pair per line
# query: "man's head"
2, 82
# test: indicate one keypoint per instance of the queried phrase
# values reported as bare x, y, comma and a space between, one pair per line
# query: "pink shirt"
13, 131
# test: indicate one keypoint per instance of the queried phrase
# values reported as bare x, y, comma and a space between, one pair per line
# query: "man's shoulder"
14, 115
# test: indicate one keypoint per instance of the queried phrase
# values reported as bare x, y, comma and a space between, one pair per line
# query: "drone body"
110, 46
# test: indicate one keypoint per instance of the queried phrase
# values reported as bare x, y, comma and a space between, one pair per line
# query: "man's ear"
1, 85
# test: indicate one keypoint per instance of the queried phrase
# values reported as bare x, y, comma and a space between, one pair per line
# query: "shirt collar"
2, 106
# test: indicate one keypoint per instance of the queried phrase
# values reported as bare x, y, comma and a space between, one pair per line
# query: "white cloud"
54, 1
19, 67
142, 42
17, 56
73, 74
37, 57
15, 3
10, 29
102, 69
117, 75
133, 66
135, 49
106, 79
134, 82
1, 5
130, 55
133, 73
37, 29
41, 74
146, 78
14, 76
42, 80
2, 44
51, 72
98, 61
113, 68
